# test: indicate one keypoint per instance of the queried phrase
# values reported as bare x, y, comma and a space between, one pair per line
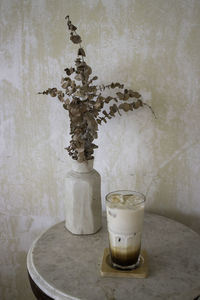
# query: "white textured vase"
83, 209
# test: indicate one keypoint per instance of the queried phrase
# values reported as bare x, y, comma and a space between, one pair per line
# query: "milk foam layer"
125, 214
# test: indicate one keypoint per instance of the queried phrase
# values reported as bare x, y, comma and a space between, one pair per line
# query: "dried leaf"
67, 101
94, 146
73, 84
112, 114
91, 89
72, 27
78, 77
91, 96
65, 85
66, 79
114, 108
108, 99
120, 95
115, 85
83, 108
78, 61
95, 112
69, 71
90, 121
126, 96
76, 39
81, 52
112, 85
98, 105
61, 96
65, 106
137, 104
134, 94
106, 114
125, 106
53, 92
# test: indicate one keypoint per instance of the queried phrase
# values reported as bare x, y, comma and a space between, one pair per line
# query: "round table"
65, 266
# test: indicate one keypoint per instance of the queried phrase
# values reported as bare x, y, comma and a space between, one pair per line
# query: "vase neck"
83, 167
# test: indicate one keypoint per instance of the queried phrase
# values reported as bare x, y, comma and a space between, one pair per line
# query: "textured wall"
152, 46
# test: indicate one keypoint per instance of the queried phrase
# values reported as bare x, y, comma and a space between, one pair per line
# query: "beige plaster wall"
152, 46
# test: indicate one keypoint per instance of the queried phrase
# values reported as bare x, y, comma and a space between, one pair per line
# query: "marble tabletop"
65, 266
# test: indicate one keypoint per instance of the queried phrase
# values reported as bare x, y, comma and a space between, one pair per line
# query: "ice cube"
122, 201
127, 196
131, 199
114, 198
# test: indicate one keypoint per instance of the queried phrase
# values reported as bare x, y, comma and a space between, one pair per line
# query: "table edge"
39, 280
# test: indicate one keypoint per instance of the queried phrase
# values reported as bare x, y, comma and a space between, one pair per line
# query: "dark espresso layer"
124, 258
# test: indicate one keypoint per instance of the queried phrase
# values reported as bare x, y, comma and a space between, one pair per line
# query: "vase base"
82, 232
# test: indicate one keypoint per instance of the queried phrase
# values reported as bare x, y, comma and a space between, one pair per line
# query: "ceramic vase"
83, 208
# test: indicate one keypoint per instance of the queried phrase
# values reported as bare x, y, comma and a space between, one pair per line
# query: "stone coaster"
108, 271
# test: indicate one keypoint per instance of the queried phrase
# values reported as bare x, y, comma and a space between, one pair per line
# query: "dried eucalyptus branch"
85, 102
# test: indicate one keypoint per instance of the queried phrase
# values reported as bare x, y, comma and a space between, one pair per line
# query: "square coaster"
108, 271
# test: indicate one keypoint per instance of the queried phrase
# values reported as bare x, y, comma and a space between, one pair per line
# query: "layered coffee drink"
125, 215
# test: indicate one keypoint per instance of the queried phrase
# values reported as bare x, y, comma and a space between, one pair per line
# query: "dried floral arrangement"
86, 102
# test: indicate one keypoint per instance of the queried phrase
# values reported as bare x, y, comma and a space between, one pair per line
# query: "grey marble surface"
66, 266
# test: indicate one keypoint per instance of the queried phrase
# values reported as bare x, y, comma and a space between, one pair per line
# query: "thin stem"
150, 109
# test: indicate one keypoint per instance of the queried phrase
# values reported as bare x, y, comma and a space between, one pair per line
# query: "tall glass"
125, 215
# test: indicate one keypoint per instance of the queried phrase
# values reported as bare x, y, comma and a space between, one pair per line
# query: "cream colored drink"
125, 214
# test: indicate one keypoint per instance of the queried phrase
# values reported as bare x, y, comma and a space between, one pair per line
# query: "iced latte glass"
125, 215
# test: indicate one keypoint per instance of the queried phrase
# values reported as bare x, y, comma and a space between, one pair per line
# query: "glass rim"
143, 197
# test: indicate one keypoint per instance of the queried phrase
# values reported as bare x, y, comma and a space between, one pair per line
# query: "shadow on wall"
15, 284
22, 280
173, 184
185, 218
